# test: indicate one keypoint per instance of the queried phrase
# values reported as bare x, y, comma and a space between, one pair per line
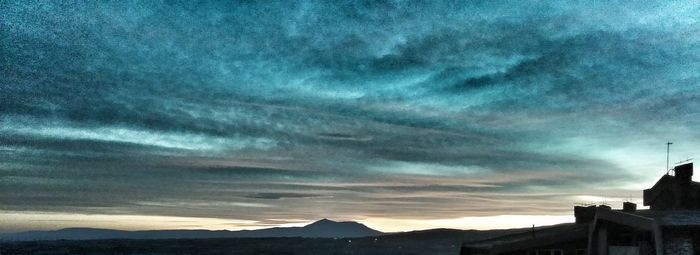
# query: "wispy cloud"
281, 111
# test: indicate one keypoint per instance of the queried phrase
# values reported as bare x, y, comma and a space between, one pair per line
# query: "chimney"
629, 207
684, 172
584, 214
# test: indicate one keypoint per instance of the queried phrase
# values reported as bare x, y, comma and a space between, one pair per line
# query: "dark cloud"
280, 195
345, 137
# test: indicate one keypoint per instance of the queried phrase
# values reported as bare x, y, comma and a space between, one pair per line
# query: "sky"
398, 114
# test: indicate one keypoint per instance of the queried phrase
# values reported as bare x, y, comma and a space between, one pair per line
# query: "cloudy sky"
398, 114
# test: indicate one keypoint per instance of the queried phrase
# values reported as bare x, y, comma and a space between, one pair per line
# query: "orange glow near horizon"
477, 223
14, 221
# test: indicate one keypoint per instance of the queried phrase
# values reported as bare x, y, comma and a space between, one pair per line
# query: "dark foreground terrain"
442, 241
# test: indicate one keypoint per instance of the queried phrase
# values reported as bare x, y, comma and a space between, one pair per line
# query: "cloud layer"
351, 110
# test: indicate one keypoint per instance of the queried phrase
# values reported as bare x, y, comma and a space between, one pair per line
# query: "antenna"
683, 161
668, 150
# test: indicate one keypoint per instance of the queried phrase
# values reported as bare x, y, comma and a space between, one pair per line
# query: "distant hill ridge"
324, 228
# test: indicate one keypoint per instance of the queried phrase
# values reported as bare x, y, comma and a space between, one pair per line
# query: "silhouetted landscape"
437, 241
320, 229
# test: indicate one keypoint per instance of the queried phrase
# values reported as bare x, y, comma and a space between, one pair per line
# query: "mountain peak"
323, 221
330, 228
323, 228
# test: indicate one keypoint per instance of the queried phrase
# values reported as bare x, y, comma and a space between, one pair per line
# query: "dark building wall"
677, 195
612, 234
666, 200
678, 242
674, 192
681, 240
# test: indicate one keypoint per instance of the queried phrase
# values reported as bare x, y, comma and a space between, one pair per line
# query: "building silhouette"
671, 225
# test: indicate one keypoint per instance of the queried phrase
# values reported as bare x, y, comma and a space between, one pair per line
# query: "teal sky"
399, 114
